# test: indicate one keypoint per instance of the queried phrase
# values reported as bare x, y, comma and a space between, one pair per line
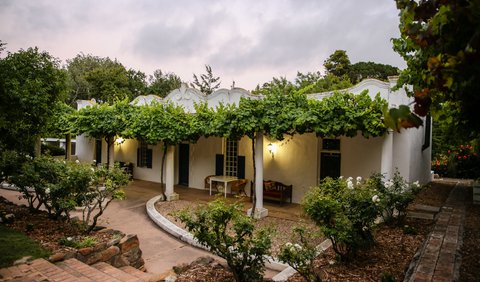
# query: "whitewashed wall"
360, 156
297, 160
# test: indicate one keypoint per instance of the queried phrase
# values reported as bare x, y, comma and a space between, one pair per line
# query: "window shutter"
241, 167
218, 164
138, 158
149, 158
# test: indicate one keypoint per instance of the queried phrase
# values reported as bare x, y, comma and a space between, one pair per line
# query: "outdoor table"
222, 178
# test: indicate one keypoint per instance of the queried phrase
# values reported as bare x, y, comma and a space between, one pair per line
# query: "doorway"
183, 164
330, 165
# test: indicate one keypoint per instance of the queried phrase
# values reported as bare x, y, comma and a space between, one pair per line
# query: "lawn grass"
15, 245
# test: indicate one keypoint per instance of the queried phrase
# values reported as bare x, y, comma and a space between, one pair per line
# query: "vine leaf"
396, 119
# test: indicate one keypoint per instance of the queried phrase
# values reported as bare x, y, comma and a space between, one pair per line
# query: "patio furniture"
222, 178
276, 191
239, 186
207, 183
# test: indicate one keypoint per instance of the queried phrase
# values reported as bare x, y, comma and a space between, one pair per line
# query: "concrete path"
160, 251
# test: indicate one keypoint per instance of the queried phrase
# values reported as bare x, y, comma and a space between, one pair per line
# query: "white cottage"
301, 160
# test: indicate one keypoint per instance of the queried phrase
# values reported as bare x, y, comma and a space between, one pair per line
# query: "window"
330, 158
330, 144
144, 155
231, 160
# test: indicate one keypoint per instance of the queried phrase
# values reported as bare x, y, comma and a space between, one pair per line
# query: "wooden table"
222, 178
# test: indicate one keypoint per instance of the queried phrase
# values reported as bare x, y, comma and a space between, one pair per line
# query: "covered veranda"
275, 209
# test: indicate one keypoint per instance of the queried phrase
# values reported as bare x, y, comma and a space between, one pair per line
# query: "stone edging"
188, 238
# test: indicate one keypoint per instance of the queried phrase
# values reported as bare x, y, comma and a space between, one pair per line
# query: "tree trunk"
109, 140
68, 146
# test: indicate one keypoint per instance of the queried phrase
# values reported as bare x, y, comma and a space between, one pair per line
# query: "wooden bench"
275, 190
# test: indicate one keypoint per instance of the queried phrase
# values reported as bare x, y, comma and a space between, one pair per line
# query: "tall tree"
207, 82
2, 46
277, 85
30, 82
440, 41
162, 84
104, 79
363, 70
338, 63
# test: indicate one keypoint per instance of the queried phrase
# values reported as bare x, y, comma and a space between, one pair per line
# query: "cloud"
246, 40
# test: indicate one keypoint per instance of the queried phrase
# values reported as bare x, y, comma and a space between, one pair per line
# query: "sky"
246, 41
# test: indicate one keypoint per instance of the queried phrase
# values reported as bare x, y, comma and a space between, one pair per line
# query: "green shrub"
345, 213
59, 186
229, 233
52, 150
10, 163
301, 255
78, 242
396, 194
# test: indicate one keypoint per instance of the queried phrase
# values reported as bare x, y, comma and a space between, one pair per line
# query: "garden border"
177, 232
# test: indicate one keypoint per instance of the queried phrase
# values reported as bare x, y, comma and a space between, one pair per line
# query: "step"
421, 215
16, 272
73, 272
426, 208
75, 266
135, 272
51, 271
116, 273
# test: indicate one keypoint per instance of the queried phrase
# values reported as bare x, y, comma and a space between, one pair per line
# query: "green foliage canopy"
161, 123
162, 84
104, 79
30, 82
440, 41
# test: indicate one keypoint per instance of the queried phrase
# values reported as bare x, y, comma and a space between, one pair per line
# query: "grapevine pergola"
276, 115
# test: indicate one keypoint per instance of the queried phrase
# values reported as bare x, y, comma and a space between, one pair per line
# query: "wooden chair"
207, 183
239, 186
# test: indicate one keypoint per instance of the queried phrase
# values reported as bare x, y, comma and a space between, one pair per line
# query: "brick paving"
72, 270
439, 259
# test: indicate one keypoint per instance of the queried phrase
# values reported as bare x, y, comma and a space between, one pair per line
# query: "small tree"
106, 186
207, 82
229, 233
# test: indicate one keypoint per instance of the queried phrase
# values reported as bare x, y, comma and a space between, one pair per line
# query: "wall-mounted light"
119, 141
272, 148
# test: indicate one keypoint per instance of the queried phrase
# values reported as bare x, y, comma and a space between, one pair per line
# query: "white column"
260, 211
170, 174
387, 155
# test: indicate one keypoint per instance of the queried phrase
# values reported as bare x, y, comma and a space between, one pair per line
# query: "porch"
150, 189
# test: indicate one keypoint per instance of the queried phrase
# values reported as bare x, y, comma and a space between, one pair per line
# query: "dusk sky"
246, 41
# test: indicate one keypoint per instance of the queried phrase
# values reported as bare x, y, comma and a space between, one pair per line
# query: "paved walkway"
439, 259
160, 250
